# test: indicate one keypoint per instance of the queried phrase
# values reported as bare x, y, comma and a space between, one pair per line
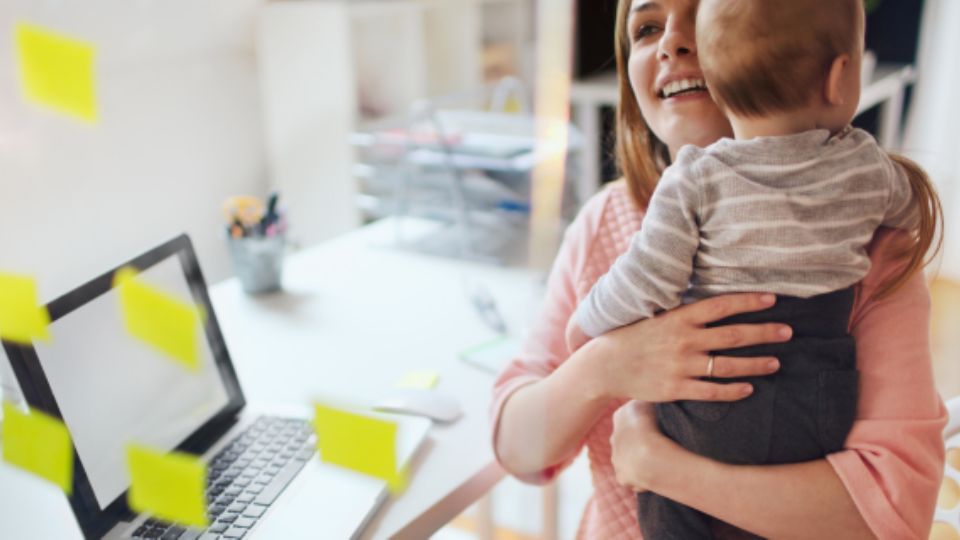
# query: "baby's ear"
833, 86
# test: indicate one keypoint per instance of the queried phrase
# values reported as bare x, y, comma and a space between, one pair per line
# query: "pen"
486, 307
270, 216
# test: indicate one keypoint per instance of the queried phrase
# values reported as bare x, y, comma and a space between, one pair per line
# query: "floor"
945, 336
516, 506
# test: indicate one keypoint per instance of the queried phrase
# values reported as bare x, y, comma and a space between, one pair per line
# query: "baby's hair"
765, 56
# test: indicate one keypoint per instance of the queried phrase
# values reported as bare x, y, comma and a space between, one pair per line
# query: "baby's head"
767, 57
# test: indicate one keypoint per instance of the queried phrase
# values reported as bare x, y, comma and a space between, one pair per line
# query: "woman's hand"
664, 358
639, 450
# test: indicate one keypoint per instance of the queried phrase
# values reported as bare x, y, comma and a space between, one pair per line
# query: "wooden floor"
945, 336
465, 522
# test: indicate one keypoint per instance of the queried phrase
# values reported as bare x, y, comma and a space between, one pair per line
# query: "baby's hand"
575, 336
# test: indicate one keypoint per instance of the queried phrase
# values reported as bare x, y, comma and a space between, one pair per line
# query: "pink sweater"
893, 459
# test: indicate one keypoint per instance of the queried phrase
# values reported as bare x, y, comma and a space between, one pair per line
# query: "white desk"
352, 320
588, 96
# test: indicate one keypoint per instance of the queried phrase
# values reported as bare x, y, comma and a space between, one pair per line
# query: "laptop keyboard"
245, 478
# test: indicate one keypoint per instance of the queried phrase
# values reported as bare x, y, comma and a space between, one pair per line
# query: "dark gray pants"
801, 413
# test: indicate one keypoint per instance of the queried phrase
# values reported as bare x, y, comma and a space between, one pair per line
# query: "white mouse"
429, 403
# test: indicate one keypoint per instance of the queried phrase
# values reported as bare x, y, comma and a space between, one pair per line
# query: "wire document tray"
465, 161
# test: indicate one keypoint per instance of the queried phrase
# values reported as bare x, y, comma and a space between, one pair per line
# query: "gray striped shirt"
789, 215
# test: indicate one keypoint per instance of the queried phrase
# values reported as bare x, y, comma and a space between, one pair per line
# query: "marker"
486, 308
270, 216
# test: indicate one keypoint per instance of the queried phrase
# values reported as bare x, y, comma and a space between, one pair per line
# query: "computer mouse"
429, 403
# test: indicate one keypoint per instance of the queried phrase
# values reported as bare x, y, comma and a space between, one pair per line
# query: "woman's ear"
836, 77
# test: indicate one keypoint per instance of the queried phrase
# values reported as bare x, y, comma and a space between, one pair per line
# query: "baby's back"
791, 215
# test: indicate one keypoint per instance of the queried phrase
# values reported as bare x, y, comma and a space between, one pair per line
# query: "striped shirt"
789, 215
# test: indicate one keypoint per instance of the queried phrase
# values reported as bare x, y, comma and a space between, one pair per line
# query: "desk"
353, 319
588, 96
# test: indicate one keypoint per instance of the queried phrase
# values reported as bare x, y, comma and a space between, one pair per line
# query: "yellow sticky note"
56, 71
168, 485
512, 106
360, 443
421, 380
159, 319
38, 443
22, 319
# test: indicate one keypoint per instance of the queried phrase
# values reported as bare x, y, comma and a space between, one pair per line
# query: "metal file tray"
454, 160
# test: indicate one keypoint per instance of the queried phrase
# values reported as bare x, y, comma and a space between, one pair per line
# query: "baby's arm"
575, 336
901, 208
655, 270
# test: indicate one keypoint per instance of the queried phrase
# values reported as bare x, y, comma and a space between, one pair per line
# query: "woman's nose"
676, 51
676, 42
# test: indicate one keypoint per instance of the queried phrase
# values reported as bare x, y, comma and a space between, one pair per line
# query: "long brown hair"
926, 238
642, 157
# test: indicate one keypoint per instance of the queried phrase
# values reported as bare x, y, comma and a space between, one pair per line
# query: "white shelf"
329, 66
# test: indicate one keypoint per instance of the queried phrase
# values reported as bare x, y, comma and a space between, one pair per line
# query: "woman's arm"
658, 359
547, 401
800, 500
893, 458
543, 423
884, 483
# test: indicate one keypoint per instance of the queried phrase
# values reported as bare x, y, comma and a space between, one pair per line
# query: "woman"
550, 403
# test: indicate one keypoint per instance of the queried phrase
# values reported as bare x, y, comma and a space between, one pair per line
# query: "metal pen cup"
258, 262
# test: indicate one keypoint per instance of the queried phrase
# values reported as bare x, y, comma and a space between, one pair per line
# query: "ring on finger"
710, 361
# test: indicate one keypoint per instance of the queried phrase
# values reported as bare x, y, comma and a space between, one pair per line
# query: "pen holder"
258, 262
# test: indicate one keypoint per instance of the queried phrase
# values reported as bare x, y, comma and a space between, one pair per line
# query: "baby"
788, 206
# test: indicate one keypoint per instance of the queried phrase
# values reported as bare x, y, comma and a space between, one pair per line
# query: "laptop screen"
113, 388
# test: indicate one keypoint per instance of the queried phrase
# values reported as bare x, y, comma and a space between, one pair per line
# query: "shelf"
886, 87
328, 67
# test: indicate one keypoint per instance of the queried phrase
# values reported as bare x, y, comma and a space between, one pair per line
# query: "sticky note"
359, 442
421, 380
512, 106
38, 443
159, 319
56, 71
168, 485
22, 319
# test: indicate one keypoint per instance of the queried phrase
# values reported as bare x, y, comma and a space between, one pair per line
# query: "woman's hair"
642, 157
926, 238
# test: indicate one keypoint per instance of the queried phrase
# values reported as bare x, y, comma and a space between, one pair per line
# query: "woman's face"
665, 74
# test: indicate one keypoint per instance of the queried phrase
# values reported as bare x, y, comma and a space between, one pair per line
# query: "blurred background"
331, 101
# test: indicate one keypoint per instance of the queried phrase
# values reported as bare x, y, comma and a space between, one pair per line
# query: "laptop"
265, 479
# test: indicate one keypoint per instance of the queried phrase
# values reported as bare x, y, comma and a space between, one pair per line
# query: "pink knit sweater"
894, 454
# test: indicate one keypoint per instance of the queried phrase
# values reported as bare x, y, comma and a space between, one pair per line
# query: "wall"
180, 130
931, 130
309, 95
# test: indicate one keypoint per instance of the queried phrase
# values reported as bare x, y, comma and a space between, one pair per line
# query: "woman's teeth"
684, 85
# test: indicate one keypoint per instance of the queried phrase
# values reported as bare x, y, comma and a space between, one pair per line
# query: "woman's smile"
665, 74
680, 87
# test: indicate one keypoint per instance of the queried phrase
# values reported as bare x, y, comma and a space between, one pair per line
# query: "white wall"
309, 96
179, 130
931, 134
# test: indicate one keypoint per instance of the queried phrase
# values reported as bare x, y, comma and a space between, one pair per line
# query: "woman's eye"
643, 31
